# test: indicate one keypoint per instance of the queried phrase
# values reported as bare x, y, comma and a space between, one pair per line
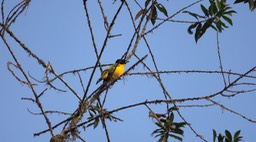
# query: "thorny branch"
86, 102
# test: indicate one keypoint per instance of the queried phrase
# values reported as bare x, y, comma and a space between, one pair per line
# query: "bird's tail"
98, 80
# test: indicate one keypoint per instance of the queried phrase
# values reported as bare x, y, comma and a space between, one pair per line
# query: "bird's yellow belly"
118, 72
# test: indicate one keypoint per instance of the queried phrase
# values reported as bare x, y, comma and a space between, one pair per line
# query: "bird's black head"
121, 61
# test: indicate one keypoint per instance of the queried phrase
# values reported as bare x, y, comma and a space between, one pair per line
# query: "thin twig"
220, 60
2, 11
91, 32
193, 71
230, 110
105, 128
49, 111
81, 81
106, 25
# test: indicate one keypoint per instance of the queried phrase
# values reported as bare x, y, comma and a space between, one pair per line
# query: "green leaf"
198, 32
162, 120
228, 20
223, 25
218, 4
161, 8
237, 134
251, 5
220, 138
154, 15
161, 139
214, 135
229, 12
206, 13
228, 136
210, 11
218, 25
239, 1
92, 110
181, 124
212, 8
91, 115
226, 8
90, 124
159, 125
158, 135
213, 27
178, 131
156, 131
237, 138
171, 117
192, 14
96, 122
205, 27
191, 27
176, 137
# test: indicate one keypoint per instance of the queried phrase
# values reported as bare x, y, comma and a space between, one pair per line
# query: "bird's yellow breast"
118, 71
109, 74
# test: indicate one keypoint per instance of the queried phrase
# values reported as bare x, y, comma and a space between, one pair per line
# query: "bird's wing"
104, 74
107, 73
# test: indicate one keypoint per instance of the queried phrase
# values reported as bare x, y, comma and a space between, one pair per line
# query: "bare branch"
232, 111
220, 60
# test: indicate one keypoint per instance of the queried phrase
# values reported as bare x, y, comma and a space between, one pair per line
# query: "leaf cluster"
154, 8
168, 128
98, 114
215, 17
252, 3
227, 137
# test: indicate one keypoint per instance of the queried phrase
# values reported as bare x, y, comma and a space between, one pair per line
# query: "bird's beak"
126, 61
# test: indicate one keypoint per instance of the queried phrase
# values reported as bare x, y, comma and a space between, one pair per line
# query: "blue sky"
57, 32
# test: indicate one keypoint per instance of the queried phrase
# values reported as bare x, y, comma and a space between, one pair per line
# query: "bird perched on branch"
113, 71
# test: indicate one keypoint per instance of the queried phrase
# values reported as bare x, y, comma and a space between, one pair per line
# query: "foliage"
168, 128
213, 17
227, 137
252, 3
155, 6
97, 115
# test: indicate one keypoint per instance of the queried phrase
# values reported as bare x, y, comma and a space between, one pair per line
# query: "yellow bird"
113, 71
